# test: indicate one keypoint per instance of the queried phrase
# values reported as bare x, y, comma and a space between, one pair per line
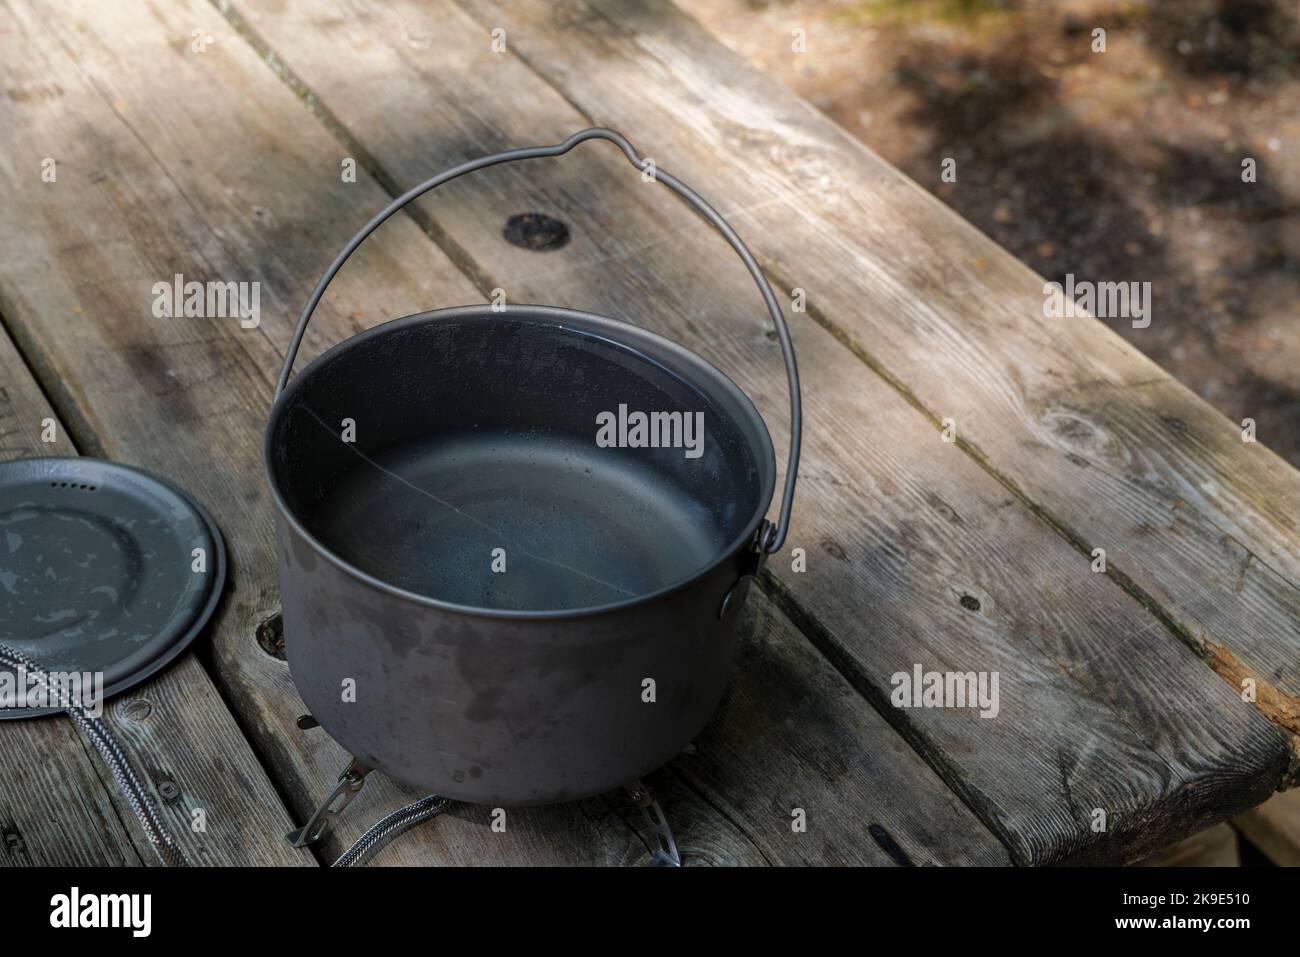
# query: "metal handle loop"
772, 537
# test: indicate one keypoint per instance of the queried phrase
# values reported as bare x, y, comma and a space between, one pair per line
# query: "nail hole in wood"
834, 550
169, 791
535, 231
270, 636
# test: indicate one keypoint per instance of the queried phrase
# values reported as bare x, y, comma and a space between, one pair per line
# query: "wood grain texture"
791, 734
57, 789
54, 809
177, 729
60, 798
1101, 707
1094, 436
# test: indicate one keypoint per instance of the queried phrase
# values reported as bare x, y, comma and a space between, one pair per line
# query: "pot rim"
615, 331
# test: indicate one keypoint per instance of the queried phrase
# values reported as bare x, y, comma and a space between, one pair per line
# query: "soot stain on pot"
536, 231
376, 613
486, 704
491, 667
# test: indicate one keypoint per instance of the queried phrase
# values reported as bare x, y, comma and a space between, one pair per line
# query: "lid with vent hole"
107, 573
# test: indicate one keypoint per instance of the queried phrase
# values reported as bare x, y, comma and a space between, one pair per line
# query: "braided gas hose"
106, 744
400, 821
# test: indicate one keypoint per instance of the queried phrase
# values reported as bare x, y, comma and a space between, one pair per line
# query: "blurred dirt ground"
1119, 165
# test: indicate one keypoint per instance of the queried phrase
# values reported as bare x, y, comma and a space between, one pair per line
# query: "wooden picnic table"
963, 455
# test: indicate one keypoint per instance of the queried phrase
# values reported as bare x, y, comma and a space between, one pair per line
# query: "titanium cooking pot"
514, 540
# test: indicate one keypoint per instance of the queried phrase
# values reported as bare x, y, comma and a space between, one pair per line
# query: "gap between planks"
460, 257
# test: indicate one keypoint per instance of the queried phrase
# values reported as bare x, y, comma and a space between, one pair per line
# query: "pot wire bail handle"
770, 537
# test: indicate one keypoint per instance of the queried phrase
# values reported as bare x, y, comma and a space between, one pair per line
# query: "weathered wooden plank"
791, 734
1097, 438
1274, 827
174, 728
54, 809
1101, 708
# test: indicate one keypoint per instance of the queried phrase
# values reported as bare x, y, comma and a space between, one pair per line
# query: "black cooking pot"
514, 540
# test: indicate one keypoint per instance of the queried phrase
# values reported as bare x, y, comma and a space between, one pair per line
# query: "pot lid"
105, 570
